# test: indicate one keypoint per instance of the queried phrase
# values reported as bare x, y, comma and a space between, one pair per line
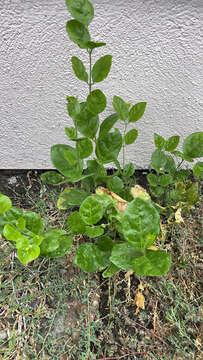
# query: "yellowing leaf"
178, 216
139, 302
152, 247
139, 191
121, 203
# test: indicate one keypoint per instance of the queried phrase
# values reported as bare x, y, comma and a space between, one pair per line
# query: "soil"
117, 329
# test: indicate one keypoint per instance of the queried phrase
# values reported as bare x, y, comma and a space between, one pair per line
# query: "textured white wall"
156, 48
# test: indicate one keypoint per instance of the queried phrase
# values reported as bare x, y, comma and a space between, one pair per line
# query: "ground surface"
52, 310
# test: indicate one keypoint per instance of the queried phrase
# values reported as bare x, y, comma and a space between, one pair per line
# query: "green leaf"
137, 111
91, 210
110, 271
10, 233
71, 197
81, 10
153, 179
79, 69
115, 184
192, 193
105, 243
33, 221
158, 160
128, 170
73, 107
159, 141
107, 124
101, 68
193, 145
121, 107
94, 231
93, 44
71, 132
172, 143
65, 245
181, 175
109, 146
140, 223
131, 136
52, 177
182, 156
51, 240
198, 170
157, 191
72, 172
5, 203
84, 148
123, 255
78, 33
87, 123
170, 165
29, 254
75, 223
154, 263
165, 179
89, 257
71, 157
22, 242
96, 102
37, 239
21, 223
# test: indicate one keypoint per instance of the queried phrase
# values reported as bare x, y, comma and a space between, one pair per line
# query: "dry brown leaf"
178, 216
139, 302
129, 272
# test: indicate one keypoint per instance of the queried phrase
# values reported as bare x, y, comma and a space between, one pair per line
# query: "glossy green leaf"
121, 107
87, 123
153, 179
21, 223
157, 191
165, 179
158, 160
79, 69
71, 157
170, 165
71, 197
101, 68
52, 177
73, 107
93, 44
84, 148
172, 143
115, 184
10, 233
137, 111
107, 124
37, 239
123, 255
33, 221
193, 145
181, 175
105, 243
81, 10
96, 102
91, 210
140, 223
75, 223
110, 271
28, 254
128, 170
94, 231
71, 133
5, 203
131, 136
182, 156
65, 245
159, 141
109, 146
22, 242
72, 172
198, 170
89, 257
78, 33
51, 240
154, 263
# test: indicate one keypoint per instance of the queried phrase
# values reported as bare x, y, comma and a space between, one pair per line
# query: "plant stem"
90, 70
125, 128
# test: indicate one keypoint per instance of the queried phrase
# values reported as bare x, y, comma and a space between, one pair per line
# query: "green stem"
125, 128
90, 70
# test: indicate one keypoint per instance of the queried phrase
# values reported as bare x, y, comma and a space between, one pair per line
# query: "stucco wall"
156, 48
